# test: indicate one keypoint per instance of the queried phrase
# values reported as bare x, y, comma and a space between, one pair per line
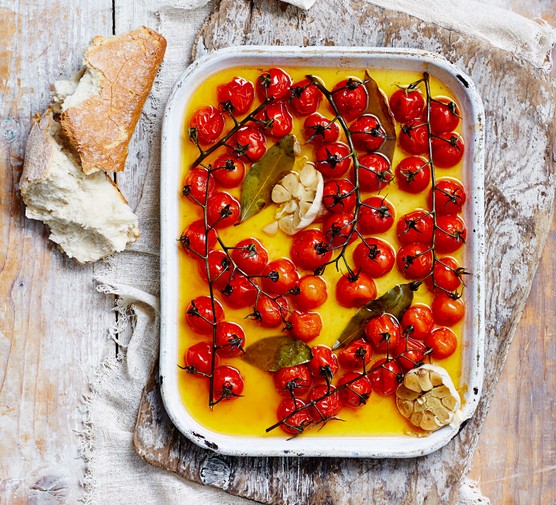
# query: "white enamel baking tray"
472, 373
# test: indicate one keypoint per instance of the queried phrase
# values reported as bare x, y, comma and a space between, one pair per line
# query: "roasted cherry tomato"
417, 226
312, 292
333, 159
230, 339
406, 104
351, 97
450, 234
239, 93
355, 290
338, 228
374, 256
293, 379
305, 326
443, 342
250, 256
414, 137
447, 310
294, 420
248, 144
275, 83
223, 210
413, 174
447, 275
447, 149
318, 129
207, 124
355, 355
220, 268
309, 249
339, 195
228, 172
194, 239
239, 292
410, 353
198, 185
414, 261
324, 364
383, 333
385, 376
270, 313
449, 196
200, 315
228, 383
199, 359
357, 392
444, 115
275, 120
374, 172
280, 276
326, 408
305, 98
367, 133
418, 321
375, 216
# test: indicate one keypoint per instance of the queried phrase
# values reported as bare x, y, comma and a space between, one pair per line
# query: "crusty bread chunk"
101, 105
87, 215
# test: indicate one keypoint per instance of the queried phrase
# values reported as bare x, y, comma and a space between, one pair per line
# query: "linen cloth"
115, 473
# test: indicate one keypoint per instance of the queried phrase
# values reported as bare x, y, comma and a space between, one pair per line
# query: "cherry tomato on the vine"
312, 292
326, 408
207, 124
239, 92
406, 104
357, 392
219, 266
447, 274
355, 355
417, 321
375, 216
447, 310
338, 229
414, 261
223, 210
385, 376
450, 234
333, 159
198, 185
449, 196
351, 97
410, 353
275, 120
200, 315
239, 292
275, 83
318, 129
248, 144
324, 364
447, 149
296, 379
413, 174
443, 342
355, 290
417, 226
305, 326
309, 249
250, 256
444, 115
270, 313
194, 239
367, 133
230, 339
374, 172
339, 195
374, 256
414, 137
305, 98
295, 418
383, 333
228, 383
280, 276
227, 171
199, 358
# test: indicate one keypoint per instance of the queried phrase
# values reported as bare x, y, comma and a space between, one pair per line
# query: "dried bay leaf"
272, 353
395, 302
378, 106
264, 174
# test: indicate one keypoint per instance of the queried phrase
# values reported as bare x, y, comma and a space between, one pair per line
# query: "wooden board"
519, 196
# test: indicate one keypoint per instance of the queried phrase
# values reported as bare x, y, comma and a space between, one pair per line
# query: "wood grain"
520, 192
50, 339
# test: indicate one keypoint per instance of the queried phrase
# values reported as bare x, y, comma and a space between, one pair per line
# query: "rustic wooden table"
53, 323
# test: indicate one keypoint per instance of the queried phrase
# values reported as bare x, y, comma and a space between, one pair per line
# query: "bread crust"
101, 127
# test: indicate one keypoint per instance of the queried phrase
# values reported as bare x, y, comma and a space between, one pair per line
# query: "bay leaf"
272, 353
264, 174
395, 302
378, 105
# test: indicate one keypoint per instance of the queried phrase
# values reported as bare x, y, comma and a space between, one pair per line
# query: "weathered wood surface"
519, 197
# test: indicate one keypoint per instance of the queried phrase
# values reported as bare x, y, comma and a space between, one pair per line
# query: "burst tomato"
326, 407
447, 310
239, 93
358, 389
410, 353
312, 292
194, 239
355, 355
305, 98
198, 185
275, 84
239, 292
293, 380
318, 129
201, 316
223, 210
443, 342
294, 417
418, 321
207, 124
219, 268
383, 333
279, 276
324, 364
305, 326
230, 339
271, 313
199, 359
275, 120
228, 172
248, 144
385, 376
355, 290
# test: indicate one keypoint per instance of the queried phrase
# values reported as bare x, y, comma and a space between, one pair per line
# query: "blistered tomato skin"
416, 226
414, 138
223, 210
374, 172
357, 392
200, 316
207, 123
280, 276
443, 342
323, 364
325, 408
449, 196
318, 129
239, 92
239, 292
447, 310
413, 174
312, 293
406, 105
298, 420
374, 256
250, 256
444, 115
305, 98
383, 333
194, 239
248, 144
199, 359
198, 185
305, 326
414, 261
230, 339
375, 216
228, 172
417, 321
275, 120
447, 149
274, 84
228, 383
293, 379
309, 249
410, 353
355, 355
385, 377
219, 266
353, 291
333, 159
270, 313
351, 98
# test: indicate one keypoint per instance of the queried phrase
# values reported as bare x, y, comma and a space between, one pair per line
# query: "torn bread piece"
100, 106
87, 215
